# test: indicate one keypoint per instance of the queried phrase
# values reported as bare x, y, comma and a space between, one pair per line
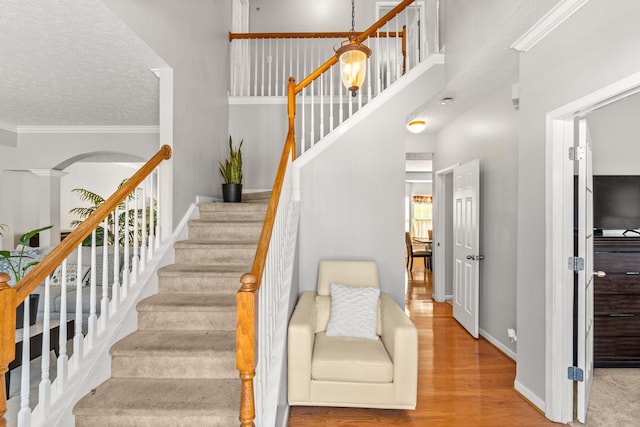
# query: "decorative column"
49, 203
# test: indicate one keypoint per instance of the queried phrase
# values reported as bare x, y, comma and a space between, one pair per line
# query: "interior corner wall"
489, 131
193, 40
595, 47
263, 128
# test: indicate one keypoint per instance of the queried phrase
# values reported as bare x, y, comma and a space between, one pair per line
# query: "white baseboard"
448, 297
530, 396
503, 348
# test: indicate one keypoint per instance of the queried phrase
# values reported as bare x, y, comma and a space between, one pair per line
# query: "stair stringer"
96, 366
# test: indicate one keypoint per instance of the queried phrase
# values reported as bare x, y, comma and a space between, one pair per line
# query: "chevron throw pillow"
354, 312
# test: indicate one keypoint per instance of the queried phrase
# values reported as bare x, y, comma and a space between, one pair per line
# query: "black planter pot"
232, 193
33, 311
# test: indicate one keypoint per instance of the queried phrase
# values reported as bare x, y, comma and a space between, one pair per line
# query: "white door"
585, 275
466, 241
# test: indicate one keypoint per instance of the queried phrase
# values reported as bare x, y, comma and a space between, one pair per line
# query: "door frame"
440, 236
559, 237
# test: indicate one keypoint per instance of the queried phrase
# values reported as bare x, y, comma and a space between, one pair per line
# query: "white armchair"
351, 372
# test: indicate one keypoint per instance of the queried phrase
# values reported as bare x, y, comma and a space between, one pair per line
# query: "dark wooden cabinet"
616, 307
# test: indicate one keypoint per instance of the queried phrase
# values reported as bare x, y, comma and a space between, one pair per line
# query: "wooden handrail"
325, 35
38, 273
246, 298
7, 337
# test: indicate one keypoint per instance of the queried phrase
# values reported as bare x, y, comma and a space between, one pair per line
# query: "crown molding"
556, 16
88, 129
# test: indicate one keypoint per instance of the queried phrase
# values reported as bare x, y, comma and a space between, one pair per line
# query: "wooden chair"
425, 254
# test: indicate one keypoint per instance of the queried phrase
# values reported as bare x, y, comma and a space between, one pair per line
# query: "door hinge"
575, 374
576, 263
576, 153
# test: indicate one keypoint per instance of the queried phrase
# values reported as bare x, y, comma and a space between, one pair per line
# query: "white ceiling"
73, 63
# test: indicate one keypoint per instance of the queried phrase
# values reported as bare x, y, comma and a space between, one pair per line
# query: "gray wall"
263, 128
352, 192
489, 132
615, 137
8, 138
595, 47
193, 40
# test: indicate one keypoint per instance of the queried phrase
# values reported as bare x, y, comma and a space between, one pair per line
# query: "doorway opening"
559, 393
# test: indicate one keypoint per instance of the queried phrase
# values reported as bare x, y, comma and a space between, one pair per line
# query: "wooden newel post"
7, 337
245, 346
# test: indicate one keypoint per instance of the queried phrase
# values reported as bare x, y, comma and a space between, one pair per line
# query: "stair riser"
199, 284
225, 233
215, 365
180, 420
214, 255
186, 320
238, 216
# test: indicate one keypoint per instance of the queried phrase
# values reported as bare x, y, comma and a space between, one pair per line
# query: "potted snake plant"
231, 171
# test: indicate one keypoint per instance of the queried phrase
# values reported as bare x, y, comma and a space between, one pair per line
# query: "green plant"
133, 215
231, 169
19, 263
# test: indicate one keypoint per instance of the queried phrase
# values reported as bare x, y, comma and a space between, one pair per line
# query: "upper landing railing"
261, 64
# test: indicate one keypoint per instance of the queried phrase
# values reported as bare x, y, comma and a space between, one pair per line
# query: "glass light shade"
416, 126
353, 65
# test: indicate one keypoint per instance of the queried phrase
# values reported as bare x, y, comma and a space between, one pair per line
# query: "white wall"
193, 40
489, 132
595, 47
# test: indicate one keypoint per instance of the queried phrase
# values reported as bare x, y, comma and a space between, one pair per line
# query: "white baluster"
304, 123
92, 323
369, 79
255, 66
152, 219
115, 290
24, 415
158, 210
350, 100
276, 66
136, 242
341, 105
312, 125
298, 77
270, 61
104, 302
262, 79
321, 106
63, 359
126, 271
331, 100
44, 394
78, 354
378, 55
388, 54
143, 245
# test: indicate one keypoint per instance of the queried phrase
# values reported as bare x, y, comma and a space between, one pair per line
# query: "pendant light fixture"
353, 58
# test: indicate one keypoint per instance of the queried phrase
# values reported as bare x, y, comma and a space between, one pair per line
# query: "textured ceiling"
73, 63
493, 65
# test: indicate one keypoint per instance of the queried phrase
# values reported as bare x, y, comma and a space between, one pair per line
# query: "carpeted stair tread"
159, 397
231, 222
163, 343
256, 206
208, 270
214, 244
186, 302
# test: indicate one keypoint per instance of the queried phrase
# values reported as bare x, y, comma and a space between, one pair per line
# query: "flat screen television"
616, 202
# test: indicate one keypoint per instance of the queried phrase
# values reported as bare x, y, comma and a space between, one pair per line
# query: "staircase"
178, 368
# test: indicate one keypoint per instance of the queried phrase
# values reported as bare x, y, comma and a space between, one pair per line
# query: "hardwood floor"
461, 381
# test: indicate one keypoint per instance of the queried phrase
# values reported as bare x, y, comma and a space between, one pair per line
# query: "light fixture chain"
353, 16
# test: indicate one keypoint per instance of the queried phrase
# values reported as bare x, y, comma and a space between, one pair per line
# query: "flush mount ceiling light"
416, 126
353, 58
446, 101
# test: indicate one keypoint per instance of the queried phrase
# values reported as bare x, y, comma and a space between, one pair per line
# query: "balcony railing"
261, 64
